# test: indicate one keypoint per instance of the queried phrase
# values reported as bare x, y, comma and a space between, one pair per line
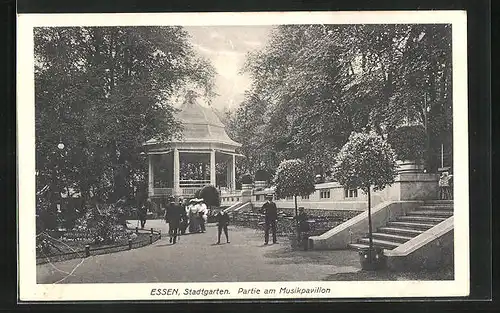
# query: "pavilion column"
212, 167
176, 177
150, 175
229, 167
233, 172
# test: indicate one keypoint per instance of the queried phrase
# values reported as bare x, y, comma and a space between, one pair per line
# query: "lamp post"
60, 146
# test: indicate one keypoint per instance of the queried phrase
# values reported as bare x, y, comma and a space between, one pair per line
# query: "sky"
226, 48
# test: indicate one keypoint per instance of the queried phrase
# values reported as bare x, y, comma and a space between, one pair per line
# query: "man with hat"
173, 214
271, 215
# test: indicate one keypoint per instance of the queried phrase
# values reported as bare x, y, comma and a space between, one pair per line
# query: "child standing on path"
222, 219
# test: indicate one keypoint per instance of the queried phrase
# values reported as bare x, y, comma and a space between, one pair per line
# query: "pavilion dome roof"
201, 124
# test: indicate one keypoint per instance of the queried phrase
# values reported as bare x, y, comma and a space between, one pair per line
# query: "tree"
104, 91
366, 161
312, 85
210, 195
293, 178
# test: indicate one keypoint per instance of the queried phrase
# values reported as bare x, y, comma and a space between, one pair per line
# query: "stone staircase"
407, 227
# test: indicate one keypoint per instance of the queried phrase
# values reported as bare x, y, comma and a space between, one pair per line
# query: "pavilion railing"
162, 191
191, 183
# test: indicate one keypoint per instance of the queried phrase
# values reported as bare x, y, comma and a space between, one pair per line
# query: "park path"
196, 258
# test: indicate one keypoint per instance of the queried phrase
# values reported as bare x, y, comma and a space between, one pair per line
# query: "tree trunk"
370, 227
296, 219
296, 209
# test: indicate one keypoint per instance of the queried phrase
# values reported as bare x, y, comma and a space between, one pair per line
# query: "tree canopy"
312, 85
293, 178
366, 160
102, 92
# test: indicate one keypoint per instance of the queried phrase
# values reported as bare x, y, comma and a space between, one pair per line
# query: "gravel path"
196, 258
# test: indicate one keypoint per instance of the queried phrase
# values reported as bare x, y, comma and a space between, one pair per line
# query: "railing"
162, 191
190, 183
189, 191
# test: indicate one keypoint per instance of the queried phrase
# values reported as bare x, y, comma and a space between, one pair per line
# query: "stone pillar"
212, 167
150, 176
233, 172
228, 174
176, 177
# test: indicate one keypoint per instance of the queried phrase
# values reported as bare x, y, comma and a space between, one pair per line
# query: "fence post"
87, 251
150, 238
136, 229
130, 244
151, 230
159, 234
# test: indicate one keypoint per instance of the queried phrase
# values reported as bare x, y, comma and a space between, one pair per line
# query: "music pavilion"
181, 166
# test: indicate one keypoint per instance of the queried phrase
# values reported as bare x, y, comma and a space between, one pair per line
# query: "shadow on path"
287, 255
362, 275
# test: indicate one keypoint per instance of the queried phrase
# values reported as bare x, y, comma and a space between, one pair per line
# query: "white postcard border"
29, 290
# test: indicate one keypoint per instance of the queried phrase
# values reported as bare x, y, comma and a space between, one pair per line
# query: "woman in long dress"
203, 214
194, 222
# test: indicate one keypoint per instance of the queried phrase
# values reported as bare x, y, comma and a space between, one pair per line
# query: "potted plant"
261, 179
409, 144
246, 182
367, 162
375, 260
294, 178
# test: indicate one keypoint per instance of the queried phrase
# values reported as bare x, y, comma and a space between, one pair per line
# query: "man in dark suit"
271, 215
222, 219
173, 214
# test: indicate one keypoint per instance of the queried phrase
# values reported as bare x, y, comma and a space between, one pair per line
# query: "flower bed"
61, 246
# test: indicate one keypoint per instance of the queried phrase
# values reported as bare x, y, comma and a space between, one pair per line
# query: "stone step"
436, 207
401, 231
380, 243
431, 213
445, 202
391, 237
411, 225
358, 246
424, 219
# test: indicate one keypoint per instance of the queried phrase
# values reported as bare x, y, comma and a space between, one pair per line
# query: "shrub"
103, 225
210, 195
408, 142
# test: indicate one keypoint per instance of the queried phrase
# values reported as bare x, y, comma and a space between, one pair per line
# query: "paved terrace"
196, 258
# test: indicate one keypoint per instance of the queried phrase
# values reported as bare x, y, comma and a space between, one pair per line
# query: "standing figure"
302, 227
222, 219
271, 215
194, 223
203, 214
444, 186
143, 212
184, 218
173, 216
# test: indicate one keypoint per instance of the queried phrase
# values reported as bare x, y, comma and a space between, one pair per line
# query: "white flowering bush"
365, 161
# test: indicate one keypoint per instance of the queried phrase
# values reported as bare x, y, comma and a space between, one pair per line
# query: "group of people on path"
193, 214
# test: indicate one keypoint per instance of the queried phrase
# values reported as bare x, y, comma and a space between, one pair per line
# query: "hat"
171, 198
